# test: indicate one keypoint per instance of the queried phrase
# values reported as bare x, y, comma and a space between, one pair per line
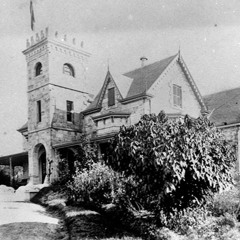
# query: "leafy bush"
222, 228
226, 202
85, 155
97, 183
182, 221
175, 164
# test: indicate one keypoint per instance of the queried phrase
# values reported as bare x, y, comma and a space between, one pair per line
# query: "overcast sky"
207, 31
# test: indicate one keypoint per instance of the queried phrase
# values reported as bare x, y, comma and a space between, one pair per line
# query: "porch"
13, 161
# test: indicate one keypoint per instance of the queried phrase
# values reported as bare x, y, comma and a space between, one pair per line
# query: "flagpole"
32, 16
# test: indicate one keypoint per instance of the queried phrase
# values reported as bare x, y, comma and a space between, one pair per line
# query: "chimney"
143, 59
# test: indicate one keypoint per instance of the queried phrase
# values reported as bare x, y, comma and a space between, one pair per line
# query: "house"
164, 85
60, 110
224, 111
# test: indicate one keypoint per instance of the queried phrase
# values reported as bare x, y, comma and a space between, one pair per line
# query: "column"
11, 171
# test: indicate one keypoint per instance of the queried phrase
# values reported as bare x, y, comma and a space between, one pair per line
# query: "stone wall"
53, 87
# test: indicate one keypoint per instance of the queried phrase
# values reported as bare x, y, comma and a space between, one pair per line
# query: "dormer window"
38, 69
68, 69
111, 97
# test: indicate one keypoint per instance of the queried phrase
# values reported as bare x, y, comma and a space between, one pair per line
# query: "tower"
56, 80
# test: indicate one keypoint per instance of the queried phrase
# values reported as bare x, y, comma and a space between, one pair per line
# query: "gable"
144, 77
108, 90
138, 82
173, 93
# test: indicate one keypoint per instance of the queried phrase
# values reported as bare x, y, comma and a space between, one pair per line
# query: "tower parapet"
46, 34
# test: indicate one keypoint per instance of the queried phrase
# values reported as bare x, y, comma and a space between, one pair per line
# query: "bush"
225, 202
97, 183
85, 155
174, 164
181, 222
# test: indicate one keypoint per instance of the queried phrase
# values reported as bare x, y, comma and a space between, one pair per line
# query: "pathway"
24, 220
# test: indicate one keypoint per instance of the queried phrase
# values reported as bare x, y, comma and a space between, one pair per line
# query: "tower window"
111, 97
68, 70
39, 111
177, 96
69, 111
38, 69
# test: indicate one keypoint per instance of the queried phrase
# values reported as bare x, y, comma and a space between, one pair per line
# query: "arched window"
38, 69
68, 70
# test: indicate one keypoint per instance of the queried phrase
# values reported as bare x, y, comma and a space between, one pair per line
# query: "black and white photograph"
119, 119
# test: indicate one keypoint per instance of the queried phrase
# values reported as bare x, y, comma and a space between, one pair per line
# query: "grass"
28, 231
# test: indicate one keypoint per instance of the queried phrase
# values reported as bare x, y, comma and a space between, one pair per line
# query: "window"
39, 111
38, 69
177, 96
111, 97
68, 70
69, 111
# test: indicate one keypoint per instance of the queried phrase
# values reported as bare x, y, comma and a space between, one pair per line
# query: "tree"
175, 164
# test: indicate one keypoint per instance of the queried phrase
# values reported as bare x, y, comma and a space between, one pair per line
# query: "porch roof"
66, 144
17, 159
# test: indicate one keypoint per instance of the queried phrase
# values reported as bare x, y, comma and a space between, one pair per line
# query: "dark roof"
23, 128
17, 158
94, 103
224, 107
144, 77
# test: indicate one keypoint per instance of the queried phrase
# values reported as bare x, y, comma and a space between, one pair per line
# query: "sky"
118, 33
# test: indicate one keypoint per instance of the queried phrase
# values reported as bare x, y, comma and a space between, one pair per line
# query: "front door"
42, 167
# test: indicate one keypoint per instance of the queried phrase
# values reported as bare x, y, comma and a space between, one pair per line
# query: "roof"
23, 128
96, 103
111, 114
132, 84
224, 107
123, 83
17, 159
144, 77
136, 83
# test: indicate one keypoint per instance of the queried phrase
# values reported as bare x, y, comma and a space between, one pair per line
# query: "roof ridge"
227, 90
139, 68
227, 101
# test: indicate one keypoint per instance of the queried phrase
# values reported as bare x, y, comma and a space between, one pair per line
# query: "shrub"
175, 164
226, 202
97, 183
85, 155
181, 222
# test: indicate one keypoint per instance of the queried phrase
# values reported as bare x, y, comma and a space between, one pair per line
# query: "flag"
32, 15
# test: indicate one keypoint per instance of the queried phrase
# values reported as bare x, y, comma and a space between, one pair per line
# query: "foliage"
85, 155
4, 178
182, 221
174, 164
50, 169
97, 183
222, 228
226, 202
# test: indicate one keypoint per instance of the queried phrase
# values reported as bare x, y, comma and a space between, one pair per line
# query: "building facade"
60, 111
